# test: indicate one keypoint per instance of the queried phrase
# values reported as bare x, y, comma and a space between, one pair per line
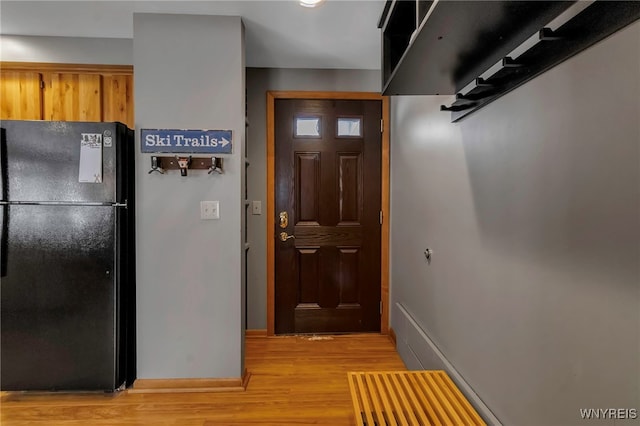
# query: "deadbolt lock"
284, 220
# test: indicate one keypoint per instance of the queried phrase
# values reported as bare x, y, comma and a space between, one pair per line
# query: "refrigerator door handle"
4, 241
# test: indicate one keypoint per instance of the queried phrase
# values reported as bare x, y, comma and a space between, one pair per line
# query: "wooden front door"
327, 211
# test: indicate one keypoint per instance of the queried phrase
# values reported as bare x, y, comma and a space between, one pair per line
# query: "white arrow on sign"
224, 142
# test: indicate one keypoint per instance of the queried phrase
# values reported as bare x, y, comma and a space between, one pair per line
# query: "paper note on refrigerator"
91, 158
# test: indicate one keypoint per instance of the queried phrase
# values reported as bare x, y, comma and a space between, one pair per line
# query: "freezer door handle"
4, 179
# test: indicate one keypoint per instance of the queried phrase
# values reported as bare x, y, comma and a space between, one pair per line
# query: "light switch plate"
256, 207
209, 210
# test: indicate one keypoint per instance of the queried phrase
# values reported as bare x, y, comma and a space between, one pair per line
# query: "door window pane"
350, 126
307, 127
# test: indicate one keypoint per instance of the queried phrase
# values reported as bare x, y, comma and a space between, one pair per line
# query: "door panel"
309, 261
348, 261
308, 187
350, 184
328, 275
58, 298
21, 96
37, 156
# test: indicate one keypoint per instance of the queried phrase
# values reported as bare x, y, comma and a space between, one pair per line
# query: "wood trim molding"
191, 385
384, 266
358, 96
256, 333
384, 236
67, 68
392, 336
271, 215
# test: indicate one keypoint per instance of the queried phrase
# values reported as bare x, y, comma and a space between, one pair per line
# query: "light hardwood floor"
294, 380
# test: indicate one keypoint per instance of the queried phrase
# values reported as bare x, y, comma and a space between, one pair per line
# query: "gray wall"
189, 74
259, 81
66, 50
532, 208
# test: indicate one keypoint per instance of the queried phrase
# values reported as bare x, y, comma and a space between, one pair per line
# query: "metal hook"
427, 254
216, 165
155, 166
183, 163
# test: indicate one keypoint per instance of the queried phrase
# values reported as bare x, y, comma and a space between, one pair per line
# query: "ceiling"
279, 33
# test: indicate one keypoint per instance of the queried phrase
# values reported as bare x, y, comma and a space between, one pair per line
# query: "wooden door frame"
384, 237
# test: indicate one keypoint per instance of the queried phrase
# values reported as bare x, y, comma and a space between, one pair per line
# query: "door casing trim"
384, 236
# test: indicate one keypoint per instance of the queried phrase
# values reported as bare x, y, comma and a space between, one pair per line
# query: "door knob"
284, 236
284, 219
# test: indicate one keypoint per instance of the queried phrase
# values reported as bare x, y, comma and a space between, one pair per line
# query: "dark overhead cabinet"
480, 50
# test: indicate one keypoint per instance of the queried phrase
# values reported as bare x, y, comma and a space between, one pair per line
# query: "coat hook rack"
579, 26
184, 163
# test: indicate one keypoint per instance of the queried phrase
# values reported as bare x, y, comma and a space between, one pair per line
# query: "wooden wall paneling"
20, 95
71, 92
73, 97
90, 97
117, 99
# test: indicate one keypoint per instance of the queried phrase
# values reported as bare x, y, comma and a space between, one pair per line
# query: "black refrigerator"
67, 281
